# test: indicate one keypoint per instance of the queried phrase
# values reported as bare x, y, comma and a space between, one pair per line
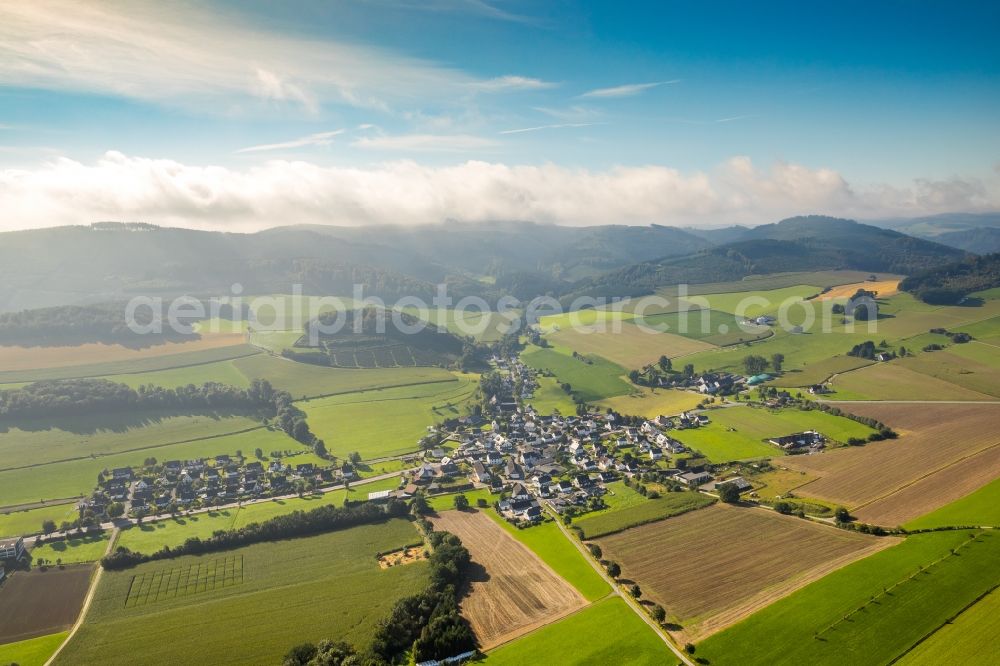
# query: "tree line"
296, 524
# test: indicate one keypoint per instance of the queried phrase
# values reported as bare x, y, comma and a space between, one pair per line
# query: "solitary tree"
729, 493
355, 457
842, 515
659, 614
635, 591
614, 570
776, 361
754, 365
48, 526
461, 502
665, 364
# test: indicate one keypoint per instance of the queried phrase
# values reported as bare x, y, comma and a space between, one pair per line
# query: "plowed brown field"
516, 592
944, 452
36, 603
713, 567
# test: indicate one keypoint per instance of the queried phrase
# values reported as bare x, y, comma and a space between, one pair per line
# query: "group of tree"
865, 349
296, 524
70, 397
951, 284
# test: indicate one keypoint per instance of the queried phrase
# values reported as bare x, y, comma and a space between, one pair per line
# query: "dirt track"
515, 592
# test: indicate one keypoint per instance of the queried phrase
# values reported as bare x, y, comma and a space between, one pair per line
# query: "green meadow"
303, 380
32, 652
607, 632
223, 372
591, 377
88, 548
968, 639
868, 612
386, 422
981, 507
29, 521
148, 364
739, 433
711, 326
549, 397
630, 511
73, 478
326, 586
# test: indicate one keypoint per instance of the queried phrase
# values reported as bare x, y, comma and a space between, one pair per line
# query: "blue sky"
679, 113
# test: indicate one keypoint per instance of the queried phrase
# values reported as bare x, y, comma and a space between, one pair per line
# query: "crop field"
585, 640
869, 612
628, 345
818, 372
945, 451
753, 303
361, 421
483, 326
550, 397
959, 365
75, 550
987, 330
586, 317
33, 651
981, 507
293, 591
72, 478
965, 640
882, 289
592, 378
36, 603
14, 359
517, 591
27, 521
304, 380
205, 575
44, 441
144, 364
896, 381
633, 513
817, 279
710, 327
738, 433
650, 403
713, 567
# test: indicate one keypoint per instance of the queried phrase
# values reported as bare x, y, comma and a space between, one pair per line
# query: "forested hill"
953, 282
110, 262
796, 244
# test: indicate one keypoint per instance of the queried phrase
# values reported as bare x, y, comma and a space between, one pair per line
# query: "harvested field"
30, 358
405, 556
944, 452
714, 567
882, 288
516, 592
624, 343
36, 603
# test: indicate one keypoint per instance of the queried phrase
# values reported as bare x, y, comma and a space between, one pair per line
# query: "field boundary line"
141, 448
947, 621
373, 388
95, 579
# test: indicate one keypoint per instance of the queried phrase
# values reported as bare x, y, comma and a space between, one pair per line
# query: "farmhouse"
809, 438
741, 484
694, 479
12, 549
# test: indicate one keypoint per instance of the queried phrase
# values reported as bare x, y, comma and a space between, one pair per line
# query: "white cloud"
425, 142
627, 90
545, 127
510, 82
182, 55
318, 139
277, 192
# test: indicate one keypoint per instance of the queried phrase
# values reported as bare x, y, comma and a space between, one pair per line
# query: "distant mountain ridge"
109, 262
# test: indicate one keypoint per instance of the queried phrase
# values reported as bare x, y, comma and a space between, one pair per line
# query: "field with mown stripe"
591, 377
